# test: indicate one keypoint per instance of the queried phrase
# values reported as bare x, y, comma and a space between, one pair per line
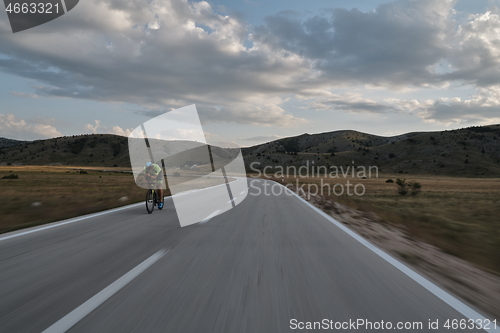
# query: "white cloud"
480, 108
157, 55
16, 128
352, 102
165, 55
98, 128
393, 45
24, 94
263, 138
476, 57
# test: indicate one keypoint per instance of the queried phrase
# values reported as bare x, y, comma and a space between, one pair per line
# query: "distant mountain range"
472, 151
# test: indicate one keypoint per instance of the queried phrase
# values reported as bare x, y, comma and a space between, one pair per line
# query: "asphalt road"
254, 268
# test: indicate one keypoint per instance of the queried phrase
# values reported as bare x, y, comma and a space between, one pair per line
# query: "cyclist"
154, 174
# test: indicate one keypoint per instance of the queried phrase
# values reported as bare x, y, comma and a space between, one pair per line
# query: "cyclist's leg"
159, 190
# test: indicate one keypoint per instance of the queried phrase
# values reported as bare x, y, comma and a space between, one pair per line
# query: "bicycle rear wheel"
150, 202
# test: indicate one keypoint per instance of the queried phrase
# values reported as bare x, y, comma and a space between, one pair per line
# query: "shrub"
405, 187
83, 172
13, 176
389, 181
392, 155
415, 187
402, 186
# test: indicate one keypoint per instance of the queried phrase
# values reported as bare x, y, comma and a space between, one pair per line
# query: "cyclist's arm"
146, 176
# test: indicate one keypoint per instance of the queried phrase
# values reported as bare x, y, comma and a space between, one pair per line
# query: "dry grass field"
62, 193
458, 215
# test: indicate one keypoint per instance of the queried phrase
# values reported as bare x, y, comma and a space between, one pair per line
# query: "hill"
83, 150
472, 151
5, 143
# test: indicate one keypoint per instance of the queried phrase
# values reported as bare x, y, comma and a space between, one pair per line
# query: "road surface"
271, 264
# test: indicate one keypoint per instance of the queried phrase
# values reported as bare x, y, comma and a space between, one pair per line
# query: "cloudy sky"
257, 70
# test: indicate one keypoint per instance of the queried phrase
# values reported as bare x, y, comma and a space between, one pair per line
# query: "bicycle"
151, 200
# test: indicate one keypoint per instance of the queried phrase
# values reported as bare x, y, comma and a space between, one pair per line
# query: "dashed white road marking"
68, 321
206, 219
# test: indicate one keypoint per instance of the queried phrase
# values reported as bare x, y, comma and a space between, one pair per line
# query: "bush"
415, 187
389, 181
13, 176
83, 172
392, 155
405, 187
402, 186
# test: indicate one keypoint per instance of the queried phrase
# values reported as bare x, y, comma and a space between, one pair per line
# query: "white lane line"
456, 304
206, 219
83, 310
70, 221
242, 192
231, 200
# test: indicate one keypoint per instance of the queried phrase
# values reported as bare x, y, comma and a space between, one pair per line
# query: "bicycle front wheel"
150, 202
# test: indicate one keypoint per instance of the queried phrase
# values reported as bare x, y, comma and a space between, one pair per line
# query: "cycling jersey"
154, 170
